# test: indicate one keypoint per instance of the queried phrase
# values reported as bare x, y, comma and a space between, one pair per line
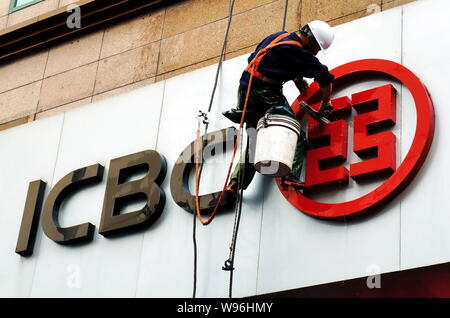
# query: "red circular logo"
409, 167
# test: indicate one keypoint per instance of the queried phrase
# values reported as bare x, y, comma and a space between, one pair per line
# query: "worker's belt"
270, 81
254, 64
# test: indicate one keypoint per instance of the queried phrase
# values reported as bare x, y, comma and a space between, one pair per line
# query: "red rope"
241, 124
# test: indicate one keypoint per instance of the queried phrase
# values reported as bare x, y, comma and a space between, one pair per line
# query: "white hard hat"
322, 32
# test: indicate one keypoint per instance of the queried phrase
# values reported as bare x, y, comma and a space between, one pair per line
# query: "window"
20, 4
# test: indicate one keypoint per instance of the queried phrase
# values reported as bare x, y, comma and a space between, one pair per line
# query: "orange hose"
241, 124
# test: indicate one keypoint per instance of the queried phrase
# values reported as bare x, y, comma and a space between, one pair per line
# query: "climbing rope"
197, 158
198, 139
285, 15
229, 264
219, 67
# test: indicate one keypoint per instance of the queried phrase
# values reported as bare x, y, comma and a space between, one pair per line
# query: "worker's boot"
326, 111
292, 181
232, 186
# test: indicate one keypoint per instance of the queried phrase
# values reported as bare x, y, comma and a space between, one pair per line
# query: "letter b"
119, 192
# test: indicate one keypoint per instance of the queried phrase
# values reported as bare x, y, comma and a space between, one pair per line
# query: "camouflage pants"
259, 102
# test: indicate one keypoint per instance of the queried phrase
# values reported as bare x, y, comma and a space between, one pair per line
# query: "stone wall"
148, 48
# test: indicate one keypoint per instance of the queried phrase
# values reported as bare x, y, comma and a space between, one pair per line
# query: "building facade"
98, 104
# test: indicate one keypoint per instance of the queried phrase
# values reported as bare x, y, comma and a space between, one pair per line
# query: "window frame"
14, 8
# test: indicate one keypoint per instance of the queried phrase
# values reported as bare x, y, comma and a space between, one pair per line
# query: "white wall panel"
425, 217
174, 252
27, 154
376, 36
96, 134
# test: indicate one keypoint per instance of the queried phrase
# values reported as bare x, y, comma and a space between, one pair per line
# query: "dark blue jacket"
287, 62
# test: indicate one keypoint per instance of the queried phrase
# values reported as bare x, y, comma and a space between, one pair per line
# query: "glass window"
19, 4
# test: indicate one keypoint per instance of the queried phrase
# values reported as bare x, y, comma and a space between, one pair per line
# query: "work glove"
325, 109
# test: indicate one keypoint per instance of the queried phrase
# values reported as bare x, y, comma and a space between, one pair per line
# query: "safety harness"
253, 66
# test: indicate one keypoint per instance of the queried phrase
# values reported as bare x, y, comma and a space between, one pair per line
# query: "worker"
281, 63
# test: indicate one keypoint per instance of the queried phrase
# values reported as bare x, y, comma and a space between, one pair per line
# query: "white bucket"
275, 145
